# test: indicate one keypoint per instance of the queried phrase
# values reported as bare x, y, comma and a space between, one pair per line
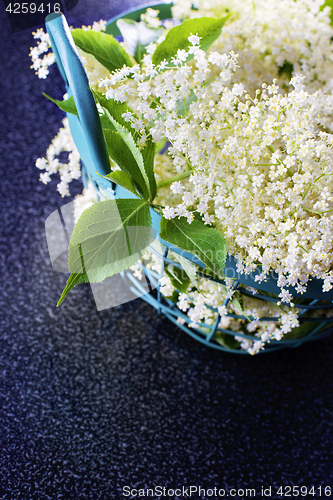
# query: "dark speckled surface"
93, 401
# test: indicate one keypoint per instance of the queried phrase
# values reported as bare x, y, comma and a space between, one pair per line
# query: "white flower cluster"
85, 200
63, 142
274, 39
203, 303
260, 168
97, 26
42, 57
41, 64
150, 17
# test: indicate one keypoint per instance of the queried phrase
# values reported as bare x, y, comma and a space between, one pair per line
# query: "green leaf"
105, 122
116, 110
109, 237
174, 297
184, 105
328, 3
148, 154
142, 160
103, 47
140, 51
137, 36
73, 281
226, 340
303, 330
68, 106
208, 28
237, 302
178, 278
123, 180
189, 267
126, 160
286, 70
207, 243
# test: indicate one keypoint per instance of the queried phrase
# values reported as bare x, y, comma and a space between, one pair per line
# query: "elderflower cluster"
150, 17
41, 64
274, 39
63, 142
85, 200
210, 301
42, 57
97, 26
259, 168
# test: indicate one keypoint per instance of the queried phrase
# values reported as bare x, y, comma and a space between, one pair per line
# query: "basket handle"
86, 127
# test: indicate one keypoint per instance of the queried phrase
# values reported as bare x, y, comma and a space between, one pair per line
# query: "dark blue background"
92, 401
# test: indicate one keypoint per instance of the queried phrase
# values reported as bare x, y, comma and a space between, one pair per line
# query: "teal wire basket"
89, 139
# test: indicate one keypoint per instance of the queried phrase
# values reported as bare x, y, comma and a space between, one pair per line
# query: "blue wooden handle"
86, 128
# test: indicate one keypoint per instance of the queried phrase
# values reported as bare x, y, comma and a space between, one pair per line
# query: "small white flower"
127, 116
182, 55
169, 212
41, 163
99, 25
43, 72
63, 188
285, 296
177, 187
45, 177
194, 40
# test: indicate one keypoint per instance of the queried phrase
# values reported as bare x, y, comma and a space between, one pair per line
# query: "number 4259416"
32, 8
295, 491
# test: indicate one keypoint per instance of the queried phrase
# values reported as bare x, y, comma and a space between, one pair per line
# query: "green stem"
208, 81
185, 107
179, 177
300, 246
157, 207
306, 192
312, 211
